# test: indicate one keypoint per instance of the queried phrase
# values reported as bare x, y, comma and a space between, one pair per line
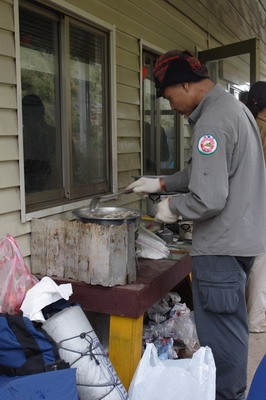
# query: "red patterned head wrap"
177, 67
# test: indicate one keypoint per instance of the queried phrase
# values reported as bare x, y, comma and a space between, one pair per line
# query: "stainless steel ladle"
96, 199
94, 203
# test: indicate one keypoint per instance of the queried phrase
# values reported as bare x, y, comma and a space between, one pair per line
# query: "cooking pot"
185, 230
109, 215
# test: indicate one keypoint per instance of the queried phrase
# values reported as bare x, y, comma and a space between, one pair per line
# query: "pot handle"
185, 227
154, 197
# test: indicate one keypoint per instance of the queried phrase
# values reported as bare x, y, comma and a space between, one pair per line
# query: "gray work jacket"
225, 180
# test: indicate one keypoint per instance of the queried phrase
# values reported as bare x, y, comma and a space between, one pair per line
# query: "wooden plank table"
127, 304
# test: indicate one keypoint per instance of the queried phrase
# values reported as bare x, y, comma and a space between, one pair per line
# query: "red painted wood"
155, 278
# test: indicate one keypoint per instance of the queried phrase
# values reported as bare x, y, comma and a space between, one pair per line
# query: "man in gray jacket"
225, 197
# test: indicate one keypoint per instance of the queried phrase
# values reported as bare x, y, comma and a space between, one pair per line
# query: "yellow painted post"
125, 341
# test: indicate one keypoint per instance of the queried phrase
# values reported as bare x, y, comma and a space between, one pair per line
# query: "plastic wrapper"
150, 245
180, 328
159, 311
164, 348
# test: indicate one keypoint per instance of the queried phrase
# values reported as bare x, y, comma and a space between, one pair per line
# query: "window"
235, 66
160, 127
65, 107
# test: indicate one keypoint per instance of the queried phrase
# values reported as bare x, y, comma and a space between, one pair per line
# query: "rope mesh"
93, 350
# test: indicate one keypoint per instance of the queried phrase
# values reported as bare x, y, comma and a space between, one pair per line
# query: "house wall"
10, 205
162, 24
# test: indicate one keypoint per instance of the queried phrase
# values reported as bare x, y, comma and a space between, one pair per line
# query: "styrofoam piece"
80, 346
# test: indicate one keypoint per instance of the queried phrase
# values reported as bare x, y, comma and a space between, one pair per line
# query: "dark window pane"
74, 145
168, 118
40, 102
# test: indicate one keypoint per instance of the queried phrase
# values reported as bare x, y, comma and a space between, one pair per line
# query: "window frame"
92, 21
156, 51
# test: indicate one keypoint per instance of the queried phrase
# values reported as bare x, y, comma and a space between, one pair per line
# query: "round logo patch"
207, 144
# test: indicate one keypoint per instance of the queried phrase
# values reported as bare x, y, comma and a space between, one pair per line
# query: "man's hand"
145, 185
164, 214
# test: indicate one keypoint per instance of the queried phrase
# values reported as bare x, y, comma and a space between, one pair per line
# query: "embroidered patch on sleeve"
207, 144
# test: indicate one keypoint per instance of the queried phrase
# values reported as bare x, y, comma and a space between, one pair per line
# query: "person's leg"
218, 284
256, 295
246, 263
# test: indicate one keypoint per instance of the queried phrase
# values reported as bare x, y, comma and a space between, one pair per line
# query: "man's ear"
186, 87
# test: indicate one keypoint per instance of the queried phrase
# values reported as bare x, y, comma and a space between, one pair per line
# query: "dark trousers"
218, 285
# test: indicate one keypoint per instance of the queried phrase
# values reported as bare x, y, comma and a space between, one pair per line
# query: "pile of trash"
173, 365
48, 348
170, 326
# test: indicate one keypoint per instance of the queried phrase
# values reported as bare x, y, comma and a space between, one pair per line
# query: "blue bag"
25, 350
54, 385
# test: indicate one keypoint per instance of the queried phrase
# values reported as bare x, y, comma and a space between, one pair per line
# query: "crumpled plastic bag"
41, 295
186, 379
181, 327
15, 277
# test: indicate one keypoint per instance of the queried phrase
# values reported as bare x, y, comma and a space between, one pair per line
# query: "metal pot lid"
108, 215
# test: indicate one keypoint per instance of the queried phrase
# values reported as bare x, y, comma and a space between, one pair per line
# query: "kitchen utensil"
96, 199
94, 203
109, 215
125, 191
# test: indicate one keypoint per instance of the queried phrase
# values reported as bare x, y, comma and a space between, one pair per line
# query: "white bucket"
80, 347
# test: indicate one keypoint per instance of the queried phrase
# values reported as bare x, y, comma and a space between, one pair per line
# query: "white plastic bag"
185, 379
43, 294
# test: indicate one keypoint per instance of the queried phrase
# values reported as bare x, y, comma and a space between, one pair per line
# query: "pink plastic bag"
15, 277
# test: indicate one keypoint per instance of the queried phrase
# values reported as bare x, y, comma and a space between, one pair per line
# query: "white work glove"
145, 185
164, 214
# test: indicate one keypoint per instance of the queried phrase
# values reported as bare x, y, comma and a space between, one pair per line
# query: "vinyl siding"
7, 45
228, 21
6, 16
8, 95
10, 219
166, 24
128, 113
8, 122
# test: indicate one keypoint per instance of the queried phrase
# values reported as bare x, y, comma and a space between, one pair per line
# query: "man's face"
180, 98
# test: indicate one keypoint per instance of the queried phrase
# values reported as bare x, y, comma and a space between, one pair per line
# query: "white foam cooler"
80, 347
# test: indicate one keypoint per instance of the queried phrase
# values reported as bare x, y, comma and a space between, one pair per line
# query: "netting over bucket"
80, 346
